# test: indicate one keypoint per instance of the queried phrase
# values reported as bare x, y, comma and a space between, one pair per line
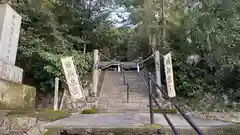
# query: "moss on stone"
113, 131
30, 92
29, 113
52, 132
89, 111
46, 114
154, 126
16, 96
225, 130
51, 115
2, 105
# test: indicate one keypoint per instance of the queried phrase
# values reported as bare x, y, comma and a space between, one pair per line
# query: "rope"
114, 61
117, 61
108, 58
145, 59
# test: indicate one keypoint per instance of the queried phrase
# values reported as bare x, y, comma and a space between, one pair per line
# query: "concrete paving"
116, 120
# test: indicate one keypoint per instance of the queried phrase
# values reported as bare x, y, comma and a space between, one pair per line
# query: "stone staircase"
117, 113
114, 93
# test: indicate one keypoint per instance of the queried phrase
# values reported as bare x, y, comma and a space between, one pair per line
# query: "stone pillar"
10, 23
95, 72
13, 94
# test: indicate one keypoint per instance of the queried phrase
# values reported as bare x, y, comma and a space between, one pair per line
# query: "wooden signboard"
169, 74
72, 79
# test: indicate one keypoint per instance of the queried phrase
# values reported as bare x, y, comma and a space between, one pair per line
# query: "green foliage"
215, 38
89, 111
51, 30
54, 29
209, 29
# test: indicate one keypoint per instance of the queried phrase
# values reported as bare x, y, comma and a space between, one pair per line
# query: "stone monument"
10, 23
12, 91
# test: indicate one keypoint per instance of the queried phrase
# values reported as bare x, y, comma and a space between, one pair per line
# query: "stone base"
10, 73
16, 96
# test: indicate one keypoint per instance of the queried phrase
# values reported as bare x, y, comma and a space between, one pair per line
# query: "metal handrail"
125, 82
186, 117
151, 97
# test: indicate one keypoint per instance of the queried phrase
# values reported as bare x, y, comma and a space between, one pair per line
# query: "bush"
89, 111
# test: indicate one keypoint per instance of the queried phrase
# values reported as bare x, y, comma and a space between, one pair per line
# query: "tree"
54, 29
205, 28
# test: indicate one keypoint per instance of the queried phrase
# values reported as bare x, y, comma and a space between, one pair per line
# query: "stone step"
137, 92
124, 106
129, 105
121, 110
124, 92
133, 98
114, 94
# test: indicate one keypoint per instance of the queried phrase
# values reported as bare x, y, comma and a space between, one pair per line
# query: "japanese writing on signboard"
169, 74
72, 78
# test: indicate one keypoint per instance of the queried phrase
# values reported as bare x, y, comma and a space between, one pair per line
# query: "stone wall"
16, 96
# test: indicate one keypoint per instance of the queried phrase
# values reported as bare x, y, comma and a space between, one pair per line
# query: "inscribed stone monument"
10, 23
13, 94
11, 73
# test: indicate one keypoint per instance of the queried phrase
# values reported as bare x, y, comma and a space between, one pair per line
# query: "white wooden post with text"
158, 72
95, 72
56, 93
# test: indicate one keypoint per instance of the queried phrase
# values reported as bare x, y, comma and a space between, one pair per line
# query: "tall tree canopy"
207, 29
205, 32
54, 29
